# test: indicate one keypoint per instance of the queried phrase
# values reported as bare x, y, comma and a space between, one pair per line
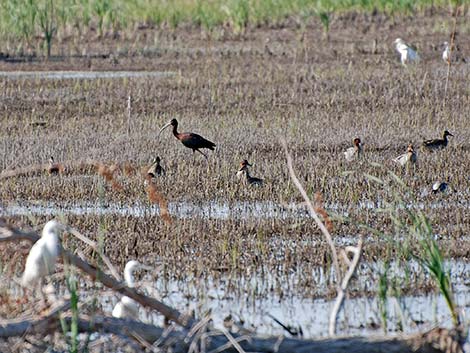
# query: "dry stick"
128, 116
357, 251
93, 244
9, 233
352, 265
313, 213
449, 60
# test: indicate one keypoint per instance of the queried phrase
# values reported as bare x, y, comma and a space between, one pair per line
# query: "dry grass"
318, 95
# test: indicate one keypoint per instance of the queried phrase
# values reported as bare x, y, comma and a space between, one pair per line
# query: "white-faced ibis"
189, 139
408, 54
437, 144
53, 168
353, 152
409, 157
128, 307
43, 255
155, 169
248, 178
439, 186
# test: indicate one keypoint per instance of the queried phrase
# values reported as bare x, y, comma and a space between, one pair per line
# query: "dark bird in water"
53, 168
155, 169
440, 186
437, 144
189, 139
244, 171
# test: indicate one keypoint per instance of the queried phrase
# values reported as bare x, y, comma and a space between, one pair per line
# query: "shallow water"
359, 316
187, 209
90, 75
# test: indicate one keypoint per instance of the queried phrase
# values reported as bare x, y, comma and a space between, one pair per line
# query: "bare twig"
451, 49
312, 211
342, 281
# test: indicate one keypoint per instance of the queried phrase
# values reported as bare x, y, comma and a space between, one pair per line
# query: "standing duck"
409, 157
244, 171
437, 144
354, 152
439, 186
53, 168
156, 169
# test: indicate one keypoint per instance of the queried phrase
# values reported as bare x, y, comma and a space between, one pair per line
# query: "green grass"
22, 20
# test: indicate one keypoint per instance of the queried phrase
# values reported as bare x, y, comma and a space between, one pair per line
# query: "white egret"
353, 152
128, 307
43, 255
407, 53
407, 158
446, 52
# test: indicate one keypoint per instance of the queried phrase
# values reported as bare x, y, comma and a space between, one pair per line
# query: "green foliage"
431, 259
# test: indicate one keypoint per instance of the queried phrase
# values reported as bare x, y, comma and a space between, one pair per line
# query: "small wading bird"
43, 255
243, 171
189, 139
54, 168
354, 152
437, 144
128, 307
439, 186
155, 169
408, 54
407, 158
446, 53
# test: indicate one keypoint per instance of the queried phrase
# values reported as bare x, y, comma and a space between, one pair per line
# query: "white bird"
439, 186
446, 53
43, 255
409, 157
353, 152
128, 307
407, 53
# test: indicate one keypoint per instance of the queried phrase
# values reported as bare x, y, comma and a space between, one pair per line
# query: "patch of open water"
89, 75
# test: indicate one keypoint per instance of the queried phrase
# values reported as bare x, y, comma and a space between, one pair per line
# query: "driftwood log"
194, 333
179, 341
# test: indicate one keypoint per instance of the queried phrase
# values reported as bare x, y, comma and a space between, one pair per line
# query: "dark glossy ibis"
189, 139
437, 144
155, 169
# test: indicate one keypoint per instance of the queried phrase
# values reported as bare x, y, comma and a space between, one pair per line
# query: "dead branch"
342, 279
9, 233
437, 340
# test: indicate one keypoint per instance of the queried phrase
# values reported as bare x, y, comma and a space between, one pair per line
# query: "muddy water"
360, 315
89, 75
187, 209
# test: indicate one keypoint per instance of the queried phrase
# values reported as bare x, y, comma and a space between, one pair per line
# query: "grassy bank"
23, 22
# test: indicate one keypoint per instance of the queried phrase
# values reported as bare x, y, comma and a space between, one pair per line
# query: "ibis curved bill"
189, 139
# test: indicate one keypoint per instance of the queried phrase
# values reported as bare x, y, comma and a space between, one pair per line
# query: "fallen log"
179, 341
